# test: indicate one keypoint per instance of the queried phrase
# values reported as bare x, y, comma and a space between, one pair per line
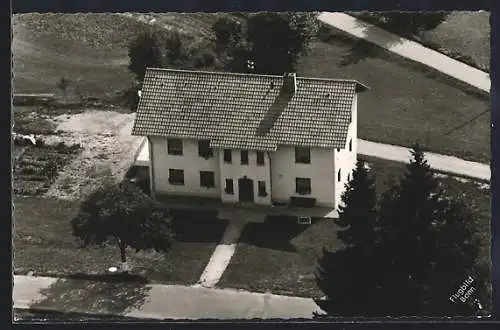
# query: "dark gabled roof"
245, 111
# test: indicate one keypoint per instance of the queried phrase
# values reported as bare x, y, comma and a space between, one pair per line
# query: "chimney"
290, 83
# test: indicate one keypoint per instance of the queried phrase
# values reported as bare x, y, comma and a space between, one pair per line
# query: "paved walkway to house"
407, 48
441, 163
154, 301
222, 254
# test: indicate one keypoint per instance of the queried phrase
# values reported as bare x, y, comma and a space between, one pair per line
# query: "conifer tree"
345, 276
428, 244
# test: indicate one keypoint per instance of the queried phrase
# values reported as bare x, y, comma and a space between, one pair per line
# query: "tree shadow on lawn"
361, 50
93, 297
197, 226
275, 233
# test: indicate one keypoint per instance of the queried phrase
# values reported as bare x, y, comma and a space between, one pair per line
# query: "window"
350, 145
174, 146
227, 156
204, 149
207, 179
303, 186
262, 188
176, 176
302, 155
229, 187
260, 158
338, 175
244, 157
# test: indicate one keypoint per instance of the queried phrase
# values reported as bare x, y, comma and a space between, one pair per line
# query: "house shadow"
273, 113
78, 295
275, 233
198, 226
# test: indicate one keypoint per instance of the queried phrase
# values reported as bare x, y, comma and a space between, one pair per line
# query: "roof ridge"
257, 75
215, 72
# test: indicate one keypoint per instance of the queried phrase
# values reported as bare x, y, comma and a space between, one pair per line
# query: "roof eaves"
361, 87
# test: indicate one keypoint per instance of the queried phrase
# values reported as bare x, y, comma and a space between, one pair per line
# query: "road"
407, 48
154, 301
441, 163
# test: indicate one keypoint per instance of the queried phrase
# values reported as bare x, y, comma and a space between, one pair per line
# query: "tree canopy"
124, 215
146, 50
271, 42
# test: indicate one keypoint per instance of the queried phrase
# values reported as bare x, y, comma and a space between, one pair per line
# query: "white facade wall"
345, 159
190, 162
284, 170
235, 170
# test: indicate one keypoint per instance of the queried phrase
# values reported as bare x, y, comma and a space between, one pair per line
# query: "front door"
245, 188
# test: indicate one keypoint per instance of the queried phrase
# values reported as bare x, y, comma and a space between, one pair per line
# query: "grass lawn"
465, 33
43, 243
89, 49
281, 257
406, 101
463, 36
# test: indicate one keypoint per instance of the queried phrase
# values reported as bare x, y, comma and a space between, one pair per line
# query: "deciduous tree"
146, 50
122, 214
271, 42
227, 30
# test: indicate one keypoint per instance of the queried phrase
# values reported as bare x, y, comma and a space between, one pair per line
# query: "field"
290, 251
88, 49
32, 120
38, 167
43, 244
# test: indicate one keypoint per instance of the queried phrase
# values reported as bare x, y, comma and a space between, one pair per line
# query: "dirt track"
107, 146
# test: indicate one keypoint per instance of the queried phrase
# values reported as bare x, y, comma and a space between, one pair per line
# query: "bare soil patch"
108, 150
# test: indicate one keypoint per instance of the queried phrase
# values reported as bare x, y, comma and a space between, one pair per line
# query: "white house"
244, 138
